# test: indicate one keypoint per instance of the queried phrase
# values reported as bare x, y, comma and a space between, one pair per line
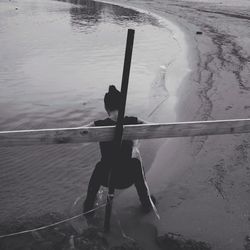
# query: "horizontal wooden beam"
145, 131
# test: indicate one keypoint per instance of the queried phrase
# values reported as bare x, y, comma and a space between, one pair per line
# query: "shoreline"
201, 183
143, 228
185, 59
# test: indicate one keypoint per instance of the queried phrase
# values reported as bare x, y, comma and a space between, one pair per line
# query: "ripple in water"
58, 58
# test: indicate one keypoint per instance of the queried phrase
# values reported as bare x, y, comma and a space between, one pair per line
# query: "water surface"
57, 60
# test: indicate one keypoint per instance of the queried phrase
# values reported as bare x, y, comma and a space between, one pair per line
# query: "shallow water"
57, 60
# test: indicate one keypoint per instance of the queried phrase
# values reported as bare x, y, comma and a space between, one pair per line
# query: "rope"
50, 225
159, 105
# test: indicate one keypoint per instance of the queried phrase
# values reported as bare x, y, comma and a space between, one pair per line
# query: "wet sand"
202, 184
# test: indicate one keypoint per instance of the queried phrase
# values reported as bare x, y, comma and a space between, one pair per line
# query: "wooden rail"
145, 131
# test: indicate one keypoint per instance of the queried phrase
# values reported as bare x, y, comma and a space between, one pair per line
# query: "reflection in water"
57, 55
57, 60
89, 14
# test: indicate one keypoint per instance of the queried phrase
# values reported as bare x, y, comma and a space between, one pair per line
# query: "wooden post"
55, 136
119, 125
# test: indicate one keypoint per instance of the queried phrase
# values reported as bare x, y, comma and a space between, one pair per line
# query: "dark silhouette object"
199, 32
117, 168
119, 125
127, 171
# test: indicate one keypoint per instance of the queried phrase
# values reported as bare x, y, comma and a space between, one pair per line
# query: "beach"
202, 183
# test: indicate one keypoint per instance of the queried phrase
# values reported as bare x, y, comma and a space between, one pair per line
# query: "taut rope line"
51, 225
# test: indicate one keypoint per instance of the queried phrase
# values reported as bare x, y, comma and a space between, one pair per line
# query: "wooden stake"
119, 125
54, 136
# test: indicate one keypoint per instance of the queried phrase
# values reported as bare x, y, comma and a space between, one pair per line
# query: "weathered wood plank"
145, 131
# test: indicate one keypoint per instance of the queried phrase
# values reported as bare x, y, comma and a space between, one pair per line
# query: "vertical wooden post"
119, 125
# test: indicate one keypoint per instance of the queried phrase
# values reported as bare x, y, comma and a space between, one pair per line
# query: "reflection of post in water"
90, 13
